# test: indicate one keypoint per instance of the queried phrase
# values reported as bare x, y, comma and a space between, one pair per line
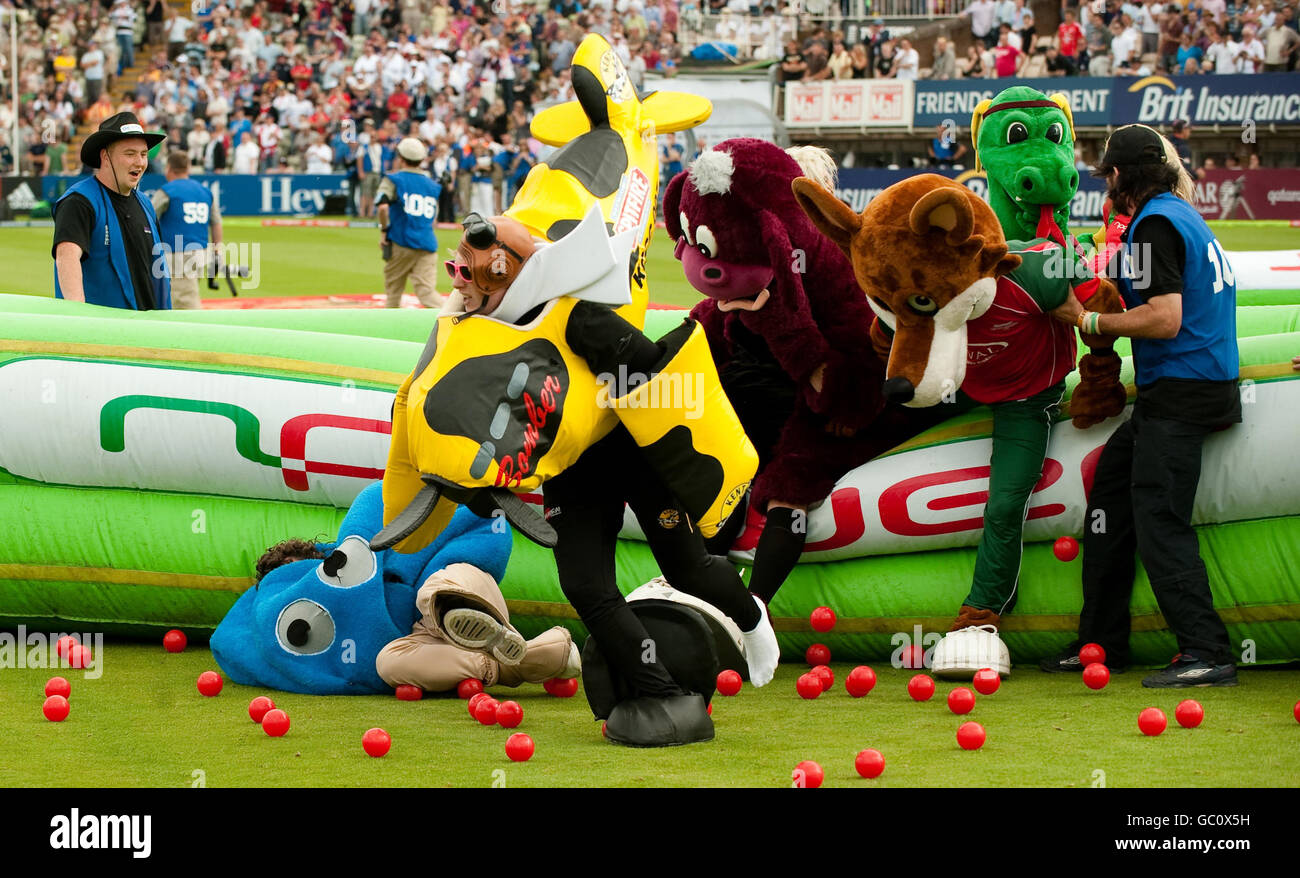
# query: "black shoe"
1064, 662
1067, 662
1188, 671
660, 722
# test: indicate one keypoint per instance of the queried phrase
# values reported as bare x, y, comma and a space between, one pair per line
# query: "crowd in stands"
253, 86
1097, 38
264, 86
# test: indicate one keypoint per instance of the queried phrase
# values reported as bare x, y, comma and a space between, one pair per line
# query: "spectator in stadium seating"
907, 64
840, 63
123, 17
793, 65
1179, 131
1122, 46
1058, 64
973, 65
1280, 44
1148, 22
817, 57
945, 60
982, 14
1007, 59
886, 56
1250, 55
92, 68
1004, 12
1189, 56
1069, 37
1223, 55
1171, 32
1028, 34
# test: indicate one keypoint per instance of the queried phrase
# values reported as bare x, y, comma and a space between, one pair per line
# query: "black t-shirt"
1061, 63
791, 58
74, 221
1161, 256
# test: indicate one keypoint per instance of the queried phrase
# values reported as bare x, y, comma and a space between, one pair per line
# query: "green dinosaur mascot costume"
1024, 142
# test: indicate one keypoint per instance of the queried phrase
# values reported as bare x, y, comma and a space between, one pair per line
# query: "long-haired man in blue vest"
105, 231
1182, 300
189, 219
408, 206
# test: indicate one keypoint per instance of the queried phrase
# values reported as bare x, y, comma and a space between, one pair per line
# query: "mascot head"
1024, 142
736, 223
315, 625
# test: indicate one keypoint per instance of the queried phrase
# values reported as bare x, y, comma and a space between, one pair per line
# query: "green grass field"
143, 723
327, 261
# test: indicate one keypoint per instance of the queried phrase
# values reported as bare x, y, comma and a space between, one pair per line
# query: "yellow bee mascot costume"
538, 376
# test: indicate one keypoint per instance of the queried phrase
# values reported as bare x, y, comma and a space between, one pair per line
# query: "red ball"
80, 656
970, 736
1189, 713
822, 619
808, 774
729, 683
55, 708
986, 681
519, 747
604, 728
561, 688
912, 657
1066, 549
58, 686
870, 763
809, 685
1096, 676
1152, 721
376, 742
1092, 653
860, 681
710, 708
474, 702
258, 708
825, 674
509, 714
64, 644
275, 723
818, 654
961, 700
210, 683
486, 712
408, 692
1296, 711
921, 687
469, 687
175, 640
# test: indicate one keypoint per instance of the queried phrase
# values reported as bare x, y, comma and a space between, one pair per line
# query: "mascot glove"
793, 339
1099, 394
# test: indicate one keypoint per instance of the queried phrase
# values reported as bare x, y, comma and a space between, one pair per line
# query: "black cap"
115, 128
1134, 145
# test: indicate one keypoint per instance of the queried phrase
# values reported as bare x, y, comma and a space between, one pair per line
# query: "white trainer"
961, 653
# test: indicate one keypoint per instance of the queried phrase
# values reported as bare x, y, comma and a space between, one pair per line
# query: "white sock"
761, 650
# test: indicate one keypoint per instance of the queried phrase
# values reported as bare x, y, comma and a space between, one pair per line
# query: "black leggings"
585, 506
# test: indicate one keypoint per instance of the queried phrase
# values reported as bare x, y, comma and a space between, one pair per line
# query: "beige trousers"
421, 266
184, 269
426, 658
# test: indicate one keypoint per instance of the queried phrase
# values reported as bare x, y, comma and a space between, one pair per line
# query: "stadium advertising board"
938, 102
242, 194
1261, 99
1259, 194
852, 103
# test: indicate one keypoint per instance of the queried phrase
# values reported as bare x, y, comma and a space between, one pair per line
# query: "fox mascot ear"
832, 217
672, 205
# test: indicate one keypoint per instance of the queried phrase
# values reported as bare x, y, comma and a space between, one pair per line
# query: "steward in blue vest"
189, 219
105, 231
407, 209
1182, 297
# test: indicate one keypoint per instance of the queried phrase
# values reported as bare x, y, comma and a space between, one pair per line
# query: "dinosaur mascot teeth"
966, 316
1024, 142
789, 331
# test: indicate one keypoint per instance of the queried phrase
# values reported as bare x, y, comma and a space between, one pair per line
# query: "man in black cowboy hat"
105, 231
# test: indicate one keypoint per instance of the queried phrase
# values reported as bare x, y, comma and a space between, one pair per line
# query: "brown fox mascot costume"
964, 318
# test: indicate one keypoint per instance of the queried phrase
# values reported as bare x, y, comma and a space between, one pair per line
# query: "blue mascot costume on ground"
316, 626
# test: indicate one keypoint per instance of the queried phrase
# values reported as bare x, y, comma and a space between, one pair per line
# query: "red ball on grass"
870, 763
469, 687
509, 714
860, 681
175, 640
209, 683
986, 681
826, 675
376, 742
55, 708
809, 685
58, 686
817, 654
822, 619
729, 682
520, 747
808, 774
